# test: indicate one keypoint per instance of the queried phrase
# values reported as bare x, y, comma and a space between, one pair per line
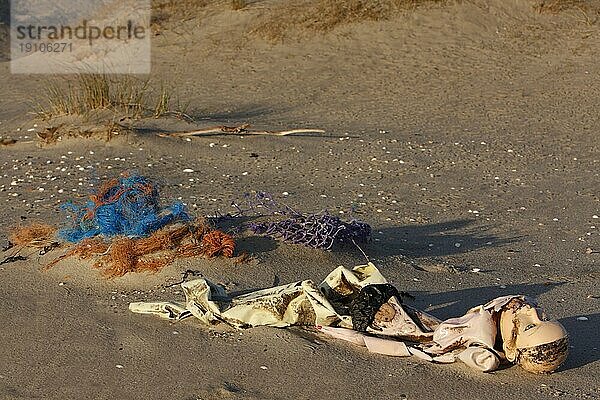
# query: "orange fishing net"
85, 250
151, 254
217, 243
35, 235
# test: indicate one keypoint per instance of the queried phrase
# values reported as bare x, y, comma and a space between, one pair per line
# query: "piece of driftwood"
237, 130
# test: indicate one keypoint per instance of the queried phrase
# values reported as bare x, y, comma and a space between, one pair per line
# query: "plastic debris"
321, 231
122, 255
123, 227
476, 338
368, 302
35, 235
127, 206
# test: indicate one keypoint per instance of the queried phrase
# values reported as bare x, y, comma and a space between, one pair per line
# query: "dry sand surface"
466, 134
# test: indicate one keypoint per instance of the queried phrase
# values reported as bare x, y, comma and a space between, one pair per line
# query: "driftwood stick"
237, 130
284, 133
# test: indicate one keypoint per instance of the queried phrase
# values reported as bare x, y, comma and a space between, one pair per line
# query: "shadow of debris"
250, 243
454, 303
584, 340
255, 244
433, 240
241, 113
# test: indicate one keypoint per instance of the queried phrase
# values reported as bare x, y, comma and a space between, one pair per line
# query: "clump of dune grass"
166, 10
97, 102
326, 15
163, 102
285, 19
588, 10
556, 6
124, 94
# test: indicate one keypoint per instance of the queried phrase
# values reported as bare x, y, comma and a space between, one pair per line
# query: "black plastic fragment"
369, 300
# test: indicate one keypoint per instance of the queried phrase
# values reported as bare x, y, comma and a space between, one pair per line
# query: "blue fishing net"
128, 206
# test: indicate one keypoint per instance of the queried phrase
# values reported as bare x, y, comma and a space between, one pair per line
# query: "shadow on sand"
585, 340
433, 240
454, 303
241, 113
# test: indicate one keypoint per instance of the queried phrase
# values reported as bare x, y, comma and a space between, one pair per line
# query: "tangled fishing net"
321, 231
123, 227
36, 234
151, 254
126, 206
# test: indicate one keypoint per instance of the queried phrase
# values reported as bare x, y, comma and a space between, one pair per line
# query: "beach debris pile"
123, 227
360, 306
320, 230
